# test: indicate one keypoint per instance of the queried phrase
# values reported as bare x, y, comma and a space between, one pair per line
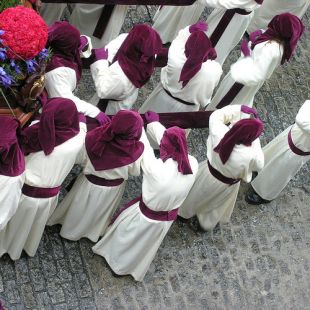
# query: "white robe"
210, 199
131, 243
25, 229
281, 164
52, 12
271, 8
87, 209
251, 72
10, 191
85, 18
198, 90
61, 82
169, 20
111, 81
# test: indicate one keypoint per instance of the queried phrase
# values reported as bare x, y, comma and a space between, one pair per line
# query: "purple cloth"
102, 181
127, 2
199, 26
151, 117
162, 216
230, 95
294, 148
64, 40
243, 132
162, 58
102, 118
136, 56
285, 27
58, 123
12, 162
248, 110
100, 53
259, 1
40, 192
253, 36
244, 47
218, 175
198, 49
173, 145
83, 43
116, 144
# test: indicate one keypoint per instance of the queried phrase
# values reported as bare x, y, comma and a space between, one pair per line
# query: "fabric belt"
103, 20
294, 148
82, 118
40, 192
223, 24
102, 181
230, 96
215, 173
162, 216
177, 99
103, 103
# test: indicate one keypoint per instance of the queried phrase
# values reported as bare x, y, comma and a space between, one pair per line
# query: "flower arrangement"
23, 36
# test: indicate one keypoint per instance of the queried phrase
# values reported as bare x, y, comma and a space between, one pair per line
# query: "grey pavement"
260, 260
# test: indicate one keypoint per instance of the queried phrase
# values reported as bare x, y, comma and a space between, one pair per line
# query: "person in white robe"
270, 8
113, 153
188, 80
269, 49
52, 12
132, 240
106, 19
284, 156
132, 59
52, 146
12, 167
64, 70
227, 22
233, 153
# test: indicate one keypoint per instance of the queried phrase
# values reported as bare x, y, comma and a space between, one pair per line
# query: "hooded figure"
269, 50
113, 153
132, 59
137, 230
52, 146
233, 153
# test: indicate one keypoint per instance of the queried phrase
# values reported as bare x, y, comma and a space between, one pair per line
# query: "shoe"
253, 198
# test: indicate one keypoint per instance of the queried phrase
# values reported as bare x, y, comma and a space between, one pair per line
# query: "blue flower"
44, 53
5, 79
15, 67
1, 33
2, 53
31, 65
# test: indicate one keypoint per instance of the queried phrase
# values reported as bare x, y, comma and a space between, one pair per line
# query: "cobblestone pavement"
260, 260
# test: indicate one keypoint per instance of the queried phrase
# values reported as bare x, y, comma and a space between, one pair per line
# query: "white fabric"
85, 18
9, 197
25, 229
281, 164
210, 199
131, 243
271, 8
251, 72
52, 12
198, 90
111, 81
87, 209
61, 82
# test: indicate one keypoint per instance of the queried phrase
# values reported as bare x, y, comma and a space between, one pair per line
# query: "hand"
151, 117
103, 119
199, 26
248, 110
253, 36
100, 53
83, 43
245, 48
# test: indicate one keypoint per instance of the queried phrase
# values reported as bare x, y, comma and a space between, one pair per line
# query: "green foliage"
4, 4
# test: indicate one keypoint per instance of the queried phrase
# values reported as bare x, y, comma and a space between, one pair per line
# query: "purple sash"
102, 181
230, 96
178, 99
103, 20
294, 148
223, 23
215, 173
40, 192
162, 216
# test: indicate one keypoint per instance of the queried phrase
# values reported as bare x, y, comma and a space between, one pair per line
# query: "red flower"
25, 32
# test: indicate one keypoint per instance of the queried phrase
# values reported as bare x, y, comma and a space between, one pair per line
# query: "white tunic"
61, 82
25, 229
281, 164
198, 90
251, 72
10, 191
271, 8
87, 209
210, 199
52, 12
131, 243
111, 81
85, 18
169, 20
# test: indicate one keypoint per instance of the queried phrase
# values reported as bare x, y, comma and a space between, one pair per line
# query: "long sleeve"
303, 117
258, 161
257, 68
61, 82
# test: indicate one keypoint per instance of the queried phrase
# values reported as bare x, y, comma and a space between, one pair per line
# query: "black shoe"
182, 219
253, 198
